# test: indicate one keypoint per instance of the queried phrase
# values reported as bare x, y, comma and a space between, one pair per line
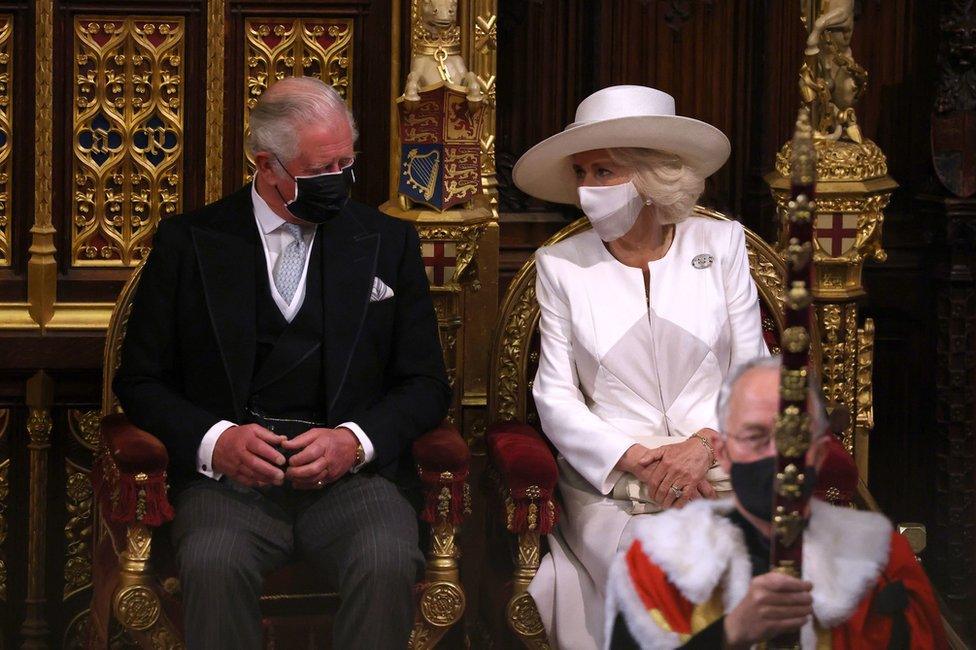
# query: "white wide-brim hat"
619, 116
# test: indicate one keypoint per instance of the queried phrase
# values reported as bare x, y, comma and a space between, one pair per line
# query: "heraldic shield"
440, 150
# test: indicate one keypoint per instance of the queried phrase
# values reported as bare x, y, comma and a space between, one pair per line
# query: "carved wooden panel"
4, 496
128, 135
294, 47
6, 133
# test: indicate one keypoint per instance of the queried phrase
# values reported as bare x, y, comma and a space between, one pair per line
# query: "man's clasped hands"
253, 456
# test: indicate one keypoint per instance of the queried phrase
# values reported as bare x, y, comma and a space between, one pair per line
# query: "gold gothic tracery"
128, 135
276, 48
6, 118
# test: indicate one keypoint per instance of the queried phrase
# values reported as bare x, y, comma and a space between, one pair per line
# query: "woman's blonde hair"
672, 186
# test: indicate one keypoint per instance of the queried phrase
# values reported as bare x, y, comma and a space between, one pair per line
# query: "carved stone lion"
437, 52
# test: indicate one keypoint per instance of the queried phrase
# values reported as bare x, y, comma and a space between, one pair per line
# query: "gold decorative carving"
442, 539
280, 47
216, 10
839, 161
6, 133
137, 607
77, 529
524, 615
465, 238
115, 333
420, 637
163, 637
864, 421
41, 266
127, 143
482, 53
442, 604
485, 33
831, 81
84, 427
138, 543
839, 358
527, 552
852, 186
78, 631
40, 395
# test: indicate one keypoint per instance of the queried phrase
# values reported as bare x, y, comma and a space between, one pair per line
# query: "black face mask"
319, 198
753, 485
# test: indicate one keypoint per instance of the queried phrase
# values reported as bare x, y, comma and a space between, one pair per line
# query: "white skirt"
569, 588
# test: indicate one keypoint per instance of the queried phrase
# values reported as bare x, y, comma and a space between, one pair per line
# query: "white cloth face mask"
611, 209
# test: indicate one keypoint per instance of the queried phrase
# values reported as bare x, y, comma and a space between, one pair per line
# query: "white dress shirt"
274, 239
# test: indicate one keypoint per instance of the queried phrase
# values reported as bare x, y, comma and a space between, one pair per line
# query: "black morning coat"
188, 356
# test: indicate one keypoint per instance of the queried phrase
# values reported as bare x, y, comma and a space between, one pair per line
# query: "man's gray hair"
815, 397
287, 106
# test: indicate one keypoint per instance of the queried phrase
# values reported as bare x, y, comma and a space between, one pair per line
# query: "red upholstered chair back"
515, 348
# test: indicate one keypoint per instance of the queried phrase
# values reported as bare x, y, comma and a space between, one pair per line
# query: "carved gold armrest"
525, 473
443, 464
129, 477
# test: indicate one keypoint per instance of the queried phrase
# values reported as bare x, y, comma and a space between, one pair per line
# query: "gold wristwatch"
360, 453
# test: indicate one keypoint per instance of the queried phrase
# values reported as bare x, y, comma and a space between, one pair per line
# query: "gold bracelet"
708, 446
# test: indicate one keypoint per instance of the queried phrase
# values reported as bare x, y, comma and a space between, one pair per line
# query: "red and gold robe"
688, 568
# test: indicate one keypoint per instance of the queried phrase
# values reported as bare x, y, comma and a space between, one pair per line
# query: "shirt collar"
266, 218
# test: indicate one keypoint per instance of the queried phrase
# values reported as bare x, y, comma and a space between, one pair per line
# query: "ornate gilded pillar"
853, 188
481, 307
444, 120
41, 266
216, 12
40, 395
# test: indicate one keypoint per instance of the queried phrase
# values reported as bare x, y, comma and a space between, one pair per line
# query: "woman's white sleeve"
592, 446
742, 299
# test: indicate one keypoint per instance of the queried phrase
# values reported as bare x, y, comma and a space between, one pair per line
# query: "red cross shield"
440, 260
836, 232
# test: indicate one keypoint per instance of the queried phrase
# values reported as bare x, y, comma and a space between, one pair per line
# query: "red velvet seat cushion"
132, 449
442, 450
527, 471
837, 476
522, 458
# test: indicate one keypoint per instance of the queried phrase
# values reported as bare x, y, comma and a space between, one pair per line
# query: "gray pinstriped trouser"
360, 533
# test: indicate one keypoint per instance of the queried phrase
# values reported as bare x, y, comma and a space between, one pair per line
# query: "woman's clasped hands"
674, 474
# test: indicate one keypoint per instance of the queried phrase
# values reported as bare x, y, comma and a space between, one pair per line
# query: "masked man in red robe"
699, 577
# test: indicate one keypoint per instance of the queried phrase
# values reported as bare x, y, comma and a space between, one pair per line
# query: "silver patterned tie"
288, 269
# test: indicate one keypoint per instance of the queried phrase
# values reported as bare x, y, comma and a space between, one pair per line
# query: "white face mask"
611, 209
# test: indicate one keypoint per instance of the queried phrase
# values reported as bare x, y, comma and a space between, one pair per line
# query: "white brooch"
702, 261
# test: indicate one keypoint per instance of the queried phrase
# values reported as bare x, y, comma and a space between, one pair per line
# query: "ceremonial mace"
793, 422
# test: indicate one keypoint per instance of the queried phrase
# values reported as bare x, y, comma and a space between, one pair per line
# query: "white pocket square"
380, 291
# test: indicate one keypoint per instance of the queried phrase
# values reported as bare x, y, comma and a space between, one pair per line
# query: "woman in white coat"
641, 319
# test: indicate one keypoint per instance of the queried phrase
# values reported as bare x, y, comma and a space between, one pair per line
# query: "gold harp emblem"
421, 171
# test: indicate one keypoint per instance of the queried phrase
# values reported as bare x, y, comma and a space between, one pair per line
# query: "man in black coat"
283, 346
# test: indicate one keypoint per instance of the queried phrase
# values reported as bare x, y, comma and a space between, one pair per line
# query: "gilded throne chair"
136, 594
522, 473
